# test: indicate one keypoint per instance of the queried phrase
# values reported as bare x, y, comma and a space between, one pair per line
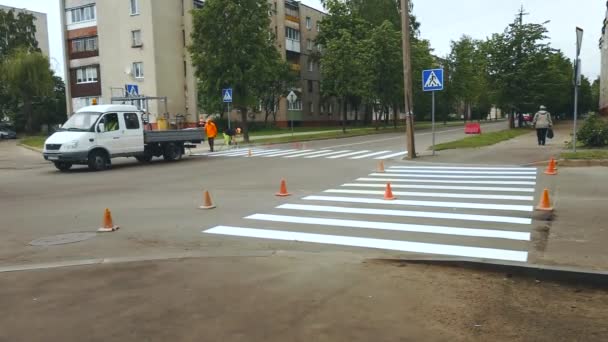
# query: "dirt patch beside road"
287, 298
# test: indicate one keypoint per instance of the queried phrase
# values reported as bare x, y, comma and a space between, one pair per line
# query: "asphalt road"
156, 205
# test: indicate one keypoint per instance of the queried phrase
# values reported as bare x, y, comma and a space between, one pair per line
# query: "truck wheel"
63, 166
172, 152
98, 161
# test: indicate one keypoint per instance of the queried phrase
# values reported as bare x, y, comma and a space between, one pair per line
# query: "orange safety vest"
211, 130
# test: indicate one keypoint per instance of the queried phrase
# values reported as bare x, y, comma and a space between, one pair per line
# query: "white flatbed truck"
96, 134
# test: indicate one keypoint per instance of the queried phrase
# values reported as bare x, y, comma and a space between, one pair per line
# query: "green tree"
28, 77
232, 45
595, 95
272, 86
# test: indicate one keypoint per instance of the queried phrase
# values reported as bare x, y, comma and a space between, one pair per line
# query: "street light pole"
577, 76
407, 79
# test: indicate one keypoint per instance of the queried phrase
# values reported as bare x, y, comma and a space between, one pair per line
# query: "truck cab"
95, 134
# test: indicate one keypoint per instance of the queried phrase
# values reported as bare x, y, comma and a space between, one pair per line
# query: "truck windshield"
81, 121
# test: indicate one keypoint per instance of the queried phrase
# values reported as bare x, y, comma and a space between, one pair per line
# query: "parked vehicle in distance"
96, 134
6, 133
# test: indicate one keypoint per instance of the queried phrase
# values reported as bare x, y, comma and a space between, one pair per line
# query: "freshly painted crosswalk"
306, 154
483, 213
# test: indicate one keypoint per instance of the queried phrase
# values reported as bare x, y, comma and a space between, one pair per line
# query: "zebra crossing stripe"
307, 154
285, 153
464, 172
366, 179
326, 154
467, 168
264, 152
370, 155
450, 176
281, 151
235, 153
403, 246
438, 187
433, 194
392, 155
407, 213
347, 154
461, 205
416, 228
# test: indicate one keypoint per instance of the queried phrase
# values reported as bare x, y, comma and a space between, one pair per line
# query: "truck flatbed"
186, 135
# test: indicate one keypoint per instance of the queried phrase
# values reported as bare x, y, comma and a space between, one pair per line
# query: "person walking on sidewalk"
542, 122
211, 130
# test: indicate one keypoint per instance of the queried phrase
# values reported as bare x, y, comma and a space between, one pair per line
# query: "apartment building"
604, 67
130, 48
296, 27
42, 31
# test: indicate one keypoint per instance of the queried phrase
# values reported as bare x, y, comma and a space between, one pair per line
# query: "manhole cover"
62, 239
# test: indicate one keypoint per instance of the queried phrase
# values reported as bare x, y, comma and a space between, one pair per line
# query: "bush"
594, 132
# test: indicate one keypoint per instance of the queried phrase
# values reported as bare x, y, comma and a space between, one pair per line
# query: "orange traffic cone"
545, 203
283, 191
388, 194
207, 204
381, 166
551, 169
108, 224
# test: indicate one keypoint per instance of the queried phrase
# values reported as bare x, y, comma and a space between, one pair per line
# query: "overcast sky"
445, 20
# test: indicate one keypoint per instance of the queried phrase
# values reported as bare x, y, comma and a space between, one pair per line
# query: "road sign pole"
229, 112
433, 121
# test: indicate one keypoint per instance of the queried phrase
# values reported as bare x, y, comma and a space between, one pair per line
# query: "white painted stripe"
327, 154
464, 172
285, 153
281, 152
370, 155
403, 246
347, 154
232, 153
461, 205
407, 213
392, 155
450, 176
263, 152
433, 194
467, 168
365, 179
416, 228
307, 154
439, 187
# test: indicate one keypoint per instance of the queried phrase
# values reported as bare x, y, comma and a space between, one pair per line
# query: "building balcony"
295, 67
292, 18
292, 45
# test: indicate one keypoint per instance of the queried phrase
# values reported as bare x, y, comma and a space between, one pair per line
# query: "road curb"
35, 149
563, 274
573, 162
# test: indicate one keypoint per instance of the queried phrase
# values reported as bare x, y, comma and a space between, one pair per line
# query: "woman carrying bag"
543, 123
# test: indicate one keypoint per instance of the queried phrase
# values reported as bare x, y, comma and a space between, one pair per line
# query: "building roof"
108, 108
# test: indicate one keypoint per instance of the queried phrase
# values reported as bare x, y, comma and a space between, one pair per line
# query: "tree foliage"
232, 46
27, 77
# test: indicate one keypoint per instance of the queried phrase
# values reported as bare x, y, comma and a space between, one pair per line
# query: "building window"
131, 121
86, 75
292, 34
184, 37
308, 23
311, 65
82, 14
321, 109
296, 105
185, 69
318, 26
310, 86
134, 6
311, 108
84, 44
136, 38
319, 47
330, 110
309, 44
138, 70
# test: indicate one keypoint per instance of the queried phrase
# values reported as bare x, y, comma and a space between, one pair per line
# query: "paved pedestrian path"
473, 212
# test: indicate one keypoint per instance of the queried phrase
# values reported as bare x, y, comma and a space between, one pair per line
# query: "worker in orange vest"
211, 130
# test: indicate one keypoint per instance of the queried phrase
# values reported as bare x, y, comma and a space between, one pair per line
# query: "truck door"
109, 133
133, 136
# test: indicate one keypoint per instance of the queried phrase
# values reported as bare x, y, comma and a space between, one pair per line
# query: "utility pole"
407, 79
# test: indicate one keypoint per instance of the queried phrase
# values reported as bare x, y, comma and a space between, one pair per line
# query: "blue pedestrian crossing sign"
227, 95
432, 80
132, 89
